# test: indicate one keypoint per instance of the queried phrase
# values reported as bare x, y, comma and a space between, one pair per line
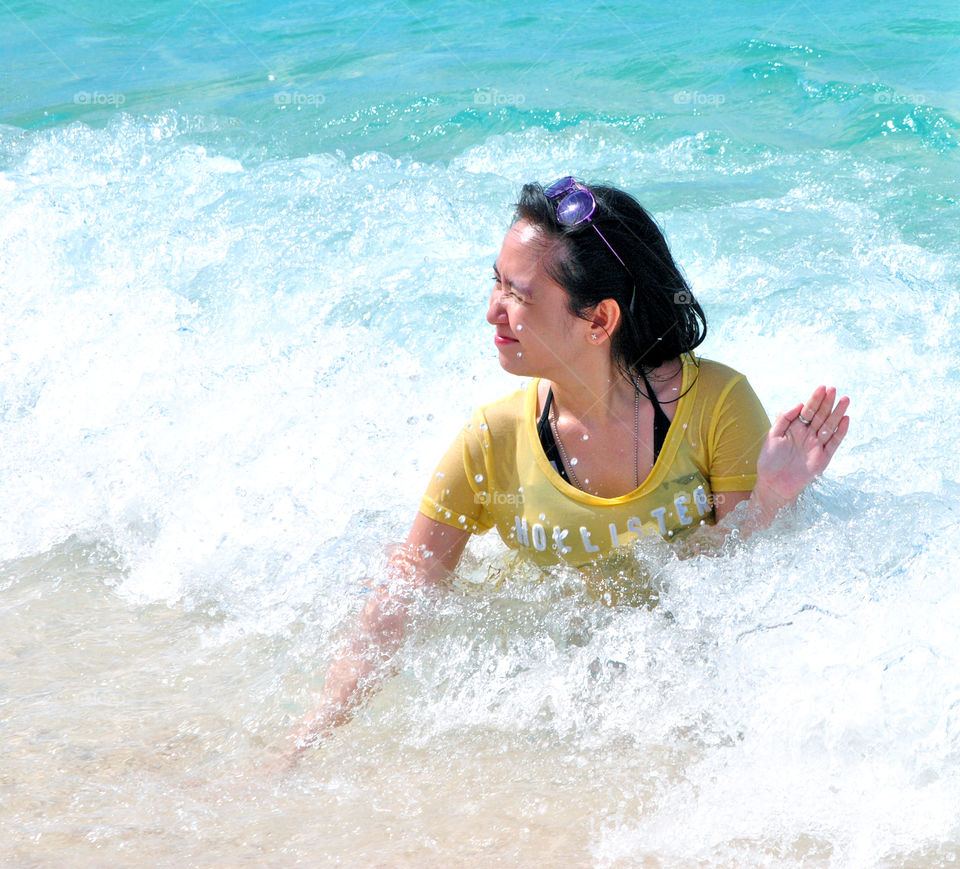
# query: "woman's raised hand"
799, 446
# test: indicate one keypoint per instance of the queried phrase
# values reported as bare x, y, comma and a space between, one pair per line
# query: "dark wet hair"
666, 321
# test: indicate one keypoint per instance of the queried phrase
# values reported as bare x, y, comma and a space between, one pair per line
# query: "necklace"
636, 438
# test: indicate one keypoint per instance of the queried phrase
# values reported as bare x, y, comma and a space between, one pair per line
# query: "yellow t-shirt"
496, 473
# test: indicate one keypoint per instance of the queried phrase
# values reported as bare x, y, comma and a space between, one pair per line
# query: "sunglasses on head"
575, 204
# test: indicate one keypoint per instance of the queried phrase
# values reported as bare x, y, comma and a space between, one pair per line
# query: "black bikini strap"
547, 440
661, 422
544, 421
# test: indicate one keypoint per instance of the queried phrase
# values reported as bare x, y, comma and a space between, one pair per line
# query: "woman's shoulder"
724, 393
715, 371
714, 377
504, 413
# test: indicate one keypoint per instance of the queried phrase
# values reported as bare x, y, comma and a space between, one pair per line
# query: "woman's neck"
596, 396
603, 394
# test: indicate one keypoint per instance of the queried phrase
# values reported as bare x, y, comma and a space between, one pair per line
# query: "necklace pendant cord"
563, 452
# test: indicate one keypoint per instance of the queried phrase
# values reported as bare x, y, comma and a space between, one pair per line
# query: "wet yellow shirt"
496, 473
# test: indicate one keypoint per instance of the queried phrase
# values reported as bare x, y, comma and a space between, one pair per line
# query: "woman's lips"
504, 341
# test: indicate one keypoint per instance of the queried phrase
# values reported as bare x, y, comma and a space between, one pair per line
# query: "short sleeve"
737, 432
456, 494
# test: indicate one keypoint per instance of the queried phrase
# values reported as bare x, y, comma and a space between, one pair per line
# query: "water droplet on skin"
483, 426
586, 437
684, 426
440, 475
519, 327
574, 461
479, 478
520, 490
519, 356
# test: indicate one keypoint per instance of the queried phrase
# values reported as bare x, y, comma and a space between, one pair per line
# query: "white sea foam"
226, 383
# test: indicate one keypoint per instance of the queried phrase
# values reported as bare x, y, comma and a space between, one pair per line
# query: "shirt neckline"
660, 466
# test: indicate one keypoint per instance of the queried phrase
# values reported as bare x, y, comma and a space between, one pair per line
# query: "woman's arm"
793, 455
798, 449
431, 552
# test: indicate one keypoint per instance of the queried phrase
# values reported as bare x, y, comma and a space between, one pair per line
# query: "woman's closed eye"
508, 292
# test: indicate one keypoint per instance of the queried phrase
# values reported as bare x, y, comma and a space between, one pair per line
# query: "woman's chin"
512, 362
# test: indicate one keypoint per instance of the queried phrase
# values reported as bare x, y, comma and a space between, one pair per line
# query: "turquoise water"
243, 271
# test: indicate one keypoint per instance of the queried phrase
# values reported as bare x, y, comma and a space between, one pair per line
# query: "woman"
623, 435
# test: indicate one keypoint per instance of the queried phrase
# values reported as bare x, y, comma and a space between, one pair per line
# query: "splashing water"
234, 353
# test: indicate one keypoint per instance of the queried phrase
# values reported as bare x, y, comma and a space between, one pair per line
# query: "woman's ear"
604, 321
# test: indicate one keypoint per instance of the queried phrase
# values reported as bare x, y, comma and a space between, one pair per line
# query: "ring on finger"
804, 421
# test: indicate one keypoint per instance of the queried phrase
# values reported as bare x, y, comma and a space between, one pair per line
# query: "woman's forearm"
359, 666
431, 552
748, 514
797, 449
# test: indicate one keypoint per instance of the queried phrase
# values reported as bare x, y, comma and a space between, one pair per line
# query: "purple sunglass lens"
576, 207
560, 186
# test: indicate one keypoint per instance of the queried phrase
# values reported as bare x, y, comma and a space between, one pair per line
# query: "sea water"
244, 264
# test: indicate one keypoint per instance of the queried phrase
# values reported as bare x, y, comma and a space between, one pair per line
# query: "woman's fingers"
812, 406
830, 447
782, 422
830, 424
818, 415
822, 410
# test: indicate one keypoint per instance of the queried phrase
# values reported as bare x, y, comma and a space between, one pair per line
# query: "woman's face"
536, 335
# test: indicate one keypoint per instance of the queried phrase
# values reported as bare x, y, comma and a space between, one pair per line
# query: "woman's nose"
496, 312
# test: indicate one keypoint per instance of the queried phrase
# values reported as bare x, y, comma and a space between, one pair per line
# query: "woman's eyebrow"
522, 289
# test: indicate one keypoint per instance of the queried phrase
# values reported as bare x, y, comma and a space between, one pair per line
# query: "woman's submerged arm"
793, 455
431, 552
